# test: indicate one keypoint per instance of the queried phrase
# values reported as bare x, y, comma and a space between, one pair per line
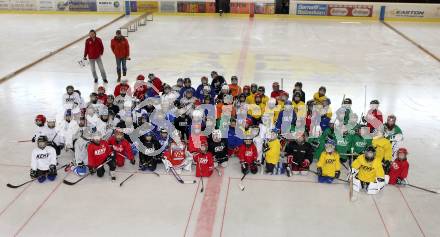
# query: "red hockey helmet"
140, 77
402, 150
40, 118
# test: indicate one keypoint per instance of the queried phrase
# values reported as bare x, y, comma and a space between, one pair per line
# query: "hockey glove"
305, 163
337, 174
319, 171
33, 174
386, 166
52, 170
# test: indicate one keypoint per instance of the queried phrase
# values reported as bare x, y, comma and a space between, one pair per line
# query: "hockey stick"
218, 171
22, 141
131, 175
79, 180
203, 186
350, 177
241, 182
17, 186
179, 179
424, 189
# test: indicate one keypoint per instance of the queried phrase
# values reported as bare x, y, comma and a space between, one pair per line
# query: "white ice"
343, 57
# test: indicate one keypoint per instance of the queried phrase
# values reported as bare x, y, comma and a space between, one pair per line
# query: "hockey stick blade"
73, 183
241, 186
30, 181
120, 185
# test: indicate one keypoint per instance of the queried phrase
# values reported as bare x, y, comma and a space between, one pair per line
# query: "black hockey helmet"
370, 152
347, 101
374, 102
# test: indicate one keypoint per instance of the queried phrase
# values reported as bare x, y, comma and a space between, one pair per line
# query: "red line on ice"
226, 204
191, 210
39, 207
412, 213
381, 217
15, 199
208, 209
244, 50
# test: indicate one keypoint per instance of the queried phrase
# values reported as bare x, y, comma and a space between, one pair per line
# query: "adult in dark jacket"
299, 155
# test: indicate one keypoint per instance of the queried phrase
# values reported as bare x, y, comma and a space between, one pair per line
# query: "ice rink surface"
344, 56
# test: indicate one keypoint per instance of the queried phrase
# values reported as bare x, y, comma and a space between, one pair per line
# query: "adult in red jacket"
94, 50
204, 161
247, 154
121, 50
100, 152
121, 147
399, 168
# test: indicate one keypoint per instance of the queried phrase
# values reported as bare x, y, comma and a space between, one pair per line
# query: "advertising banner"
196, 7
4, 4
240, 7
147, 6
109, 5
264, 8
350, 10
80, 5
311, 9
23, 5
168, 6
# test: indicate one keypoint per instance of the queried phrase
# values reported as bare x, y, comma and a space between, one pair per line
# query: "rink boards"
298, 9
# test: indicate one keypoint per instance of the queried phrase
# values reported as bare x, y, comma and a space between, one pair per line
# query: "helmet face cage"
369, 155
329, 147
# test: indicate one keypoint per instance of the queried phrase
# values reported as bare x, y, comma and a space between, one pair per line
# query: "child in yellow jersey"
383, 148
273, 152
328, 166
319, 97
367, 172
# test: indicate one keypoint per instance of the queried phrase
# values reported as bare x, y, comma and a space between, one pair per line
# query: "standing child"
328, 166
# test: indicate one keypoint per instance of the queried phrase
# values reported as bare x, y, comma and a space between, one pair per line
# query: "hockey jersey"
274, 152
247, 154
42, 158
384, 151
175, 156
68, 131
219, 149
122, 150
299, 152
368, 171
204, 163
97, 154
329, 163
71, 101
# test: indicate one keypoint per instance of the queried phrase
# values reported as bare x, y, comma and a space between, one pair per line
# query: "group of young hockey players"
183, 127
